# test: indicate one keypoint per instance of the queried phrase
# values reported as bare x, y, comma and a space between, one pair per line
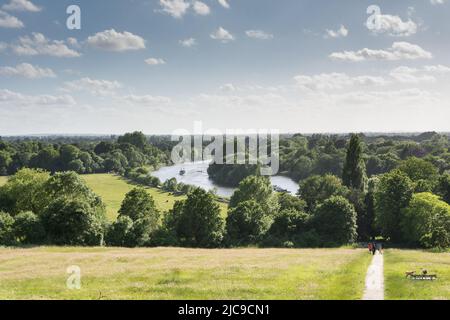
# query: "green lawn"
3, 180
397, 262
113, 188
172, 273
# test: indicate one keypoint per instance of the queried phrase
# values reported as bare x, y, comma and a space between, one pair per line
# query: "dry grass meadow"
171, 273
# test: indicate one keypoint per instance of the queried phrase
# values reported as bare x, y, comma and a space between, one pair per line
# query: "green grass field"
113, 188
171, 273
397, 262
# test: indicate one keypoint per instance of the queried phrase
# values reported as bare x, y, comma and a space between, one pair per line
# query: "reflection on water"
196, 174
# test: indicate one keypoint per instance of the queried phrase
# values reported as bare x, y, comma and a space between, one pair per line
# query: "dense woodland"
351, 188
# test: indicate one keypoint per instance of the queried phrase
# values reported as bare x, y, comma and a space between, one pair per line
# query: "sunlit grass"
397, 262
112, 190
172, 273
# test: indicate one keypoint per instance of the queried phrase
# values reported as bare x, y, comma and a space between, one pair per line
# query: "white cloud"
410, 75
93, 86
201, 8
336, 81
258, 34
439, 69
154, 61
9, 21
73, 42
228, 87
224, 3
436, 2
38, 44
15, 99
222, 35
111, 40
340, 33
393, 25
398, 51
190, 42
175, 8
21, 5
146, 100
27, 70
416, 75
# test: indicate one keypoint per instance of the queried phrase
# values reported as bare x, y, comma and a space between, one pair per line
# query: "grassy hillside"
171, 273
397, 262
113, 188
3, 180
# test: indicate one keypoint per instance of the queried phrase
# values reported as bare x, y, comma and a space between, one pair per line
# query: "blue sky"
159, 65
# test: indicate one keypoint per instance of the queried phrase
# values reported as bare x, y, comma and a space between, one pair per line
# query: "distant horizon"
373, 133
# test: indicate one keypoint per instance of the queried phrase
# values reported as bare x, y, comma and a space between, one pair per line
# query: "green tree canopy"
426, 221
393, 193
259, 189
354, 173
196, 221
246, 224
138, 204
335, 221
316, 189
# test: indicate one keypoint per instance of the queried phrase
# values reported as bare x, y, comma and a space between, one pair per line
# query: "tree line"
83, 155
407, 205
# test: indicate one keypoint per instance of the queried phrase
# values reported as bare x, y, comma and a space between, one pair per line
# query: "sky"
161, 65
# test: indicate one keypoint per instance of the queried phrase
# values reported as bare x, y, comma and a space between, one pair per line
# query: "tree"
45, 159
354, 174
288, 229
6, 229
246, 224
137, 139
68, 153
196, 221
70, 186
5, 161
335, 221
423, 173
393, 194
76, 166
24, 191
426, 221
366, 222
287, 201
443, 187
259, 189
316, 189
72, 222
28, 228
139, 204
103, 147
117, 234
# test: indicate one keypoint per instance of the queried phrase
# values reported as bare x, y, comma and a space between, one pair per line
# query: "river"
197, 175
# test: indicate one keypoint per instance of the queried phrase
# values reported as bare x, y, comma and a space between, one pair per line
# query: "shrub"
246, 224
72, 222
118, 231
6, 229
28, 228
335, 221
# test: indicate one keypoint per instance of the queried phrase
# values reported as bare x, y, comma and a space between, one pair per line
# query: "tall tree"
392, 195
354, 174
